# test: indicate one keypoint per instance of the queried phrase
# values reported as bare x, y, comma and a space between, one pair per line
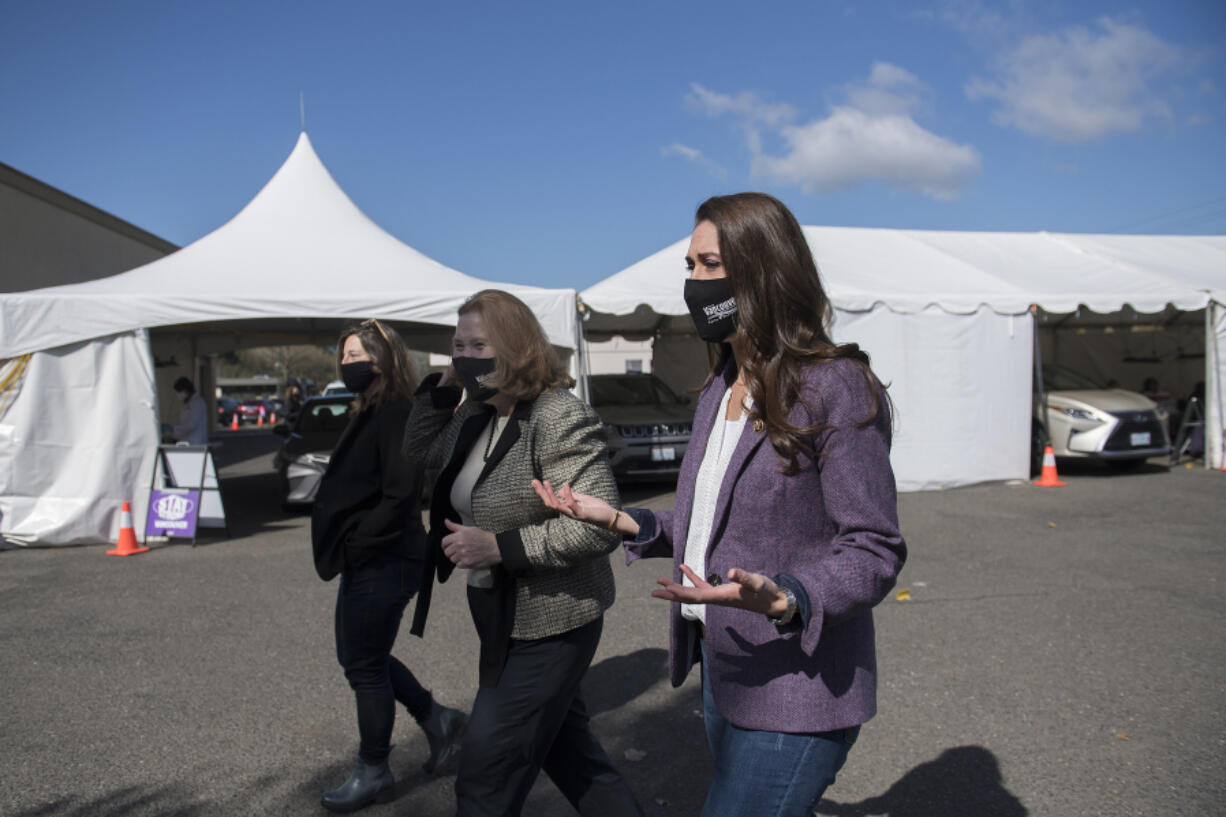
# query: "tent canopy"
909, 271
937, 311
299, 250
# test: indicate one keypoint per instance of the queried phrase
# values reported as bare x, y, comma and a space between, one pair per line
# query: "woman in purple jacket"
785, 532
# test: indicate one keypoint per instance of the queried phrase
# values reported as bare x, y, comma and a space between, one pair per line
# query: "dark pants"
369, 603
535, 719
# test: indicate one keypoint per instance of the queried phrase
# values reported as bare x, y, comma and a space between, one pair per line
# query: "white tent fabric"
79, 432
300, 248
78, 441
958, 272
944, 316
960, 385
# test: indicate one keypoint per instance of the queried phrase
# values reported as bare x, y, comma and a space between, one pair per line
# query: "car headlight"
1080, 414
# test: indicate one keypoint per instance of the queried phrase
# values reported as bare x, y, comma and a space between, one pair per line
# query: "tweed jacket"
832, 526
557, 567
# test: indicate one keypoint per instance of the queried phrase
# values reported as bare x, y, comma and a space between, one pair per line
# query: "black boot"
368, 784
443, 727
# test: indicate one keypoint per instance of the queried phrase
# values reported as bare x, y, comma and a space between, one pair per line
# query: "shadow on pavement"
1126, 468
618, 680
963, 782
128, 800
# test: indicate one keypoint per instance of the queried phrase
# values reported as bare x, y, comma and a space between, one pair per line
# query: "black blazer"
367, 500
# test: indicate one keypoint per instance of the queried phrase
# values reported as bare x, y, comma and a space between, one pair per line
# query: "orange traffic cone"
259, 419
272, 418
1049, 478
126, 546
234, 421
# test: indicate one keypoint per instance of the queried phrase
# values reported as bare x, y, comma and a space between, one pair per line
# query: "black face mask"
358, 376
712, 307
473, 373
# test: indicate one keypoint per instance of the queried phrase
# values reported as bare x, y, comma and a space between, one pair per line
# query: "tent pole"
1040, 395
581, 350
1213, 387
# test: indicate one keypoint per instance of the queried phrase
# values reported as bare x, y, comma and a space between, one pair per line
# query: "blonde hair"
525, 362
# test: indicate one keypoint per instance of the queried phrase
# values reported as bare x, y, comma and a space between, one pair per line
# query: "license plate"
1139, 439
663, 453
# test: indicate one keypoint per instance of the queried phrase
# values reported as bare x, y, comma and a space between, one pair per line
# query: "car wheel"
1038, 445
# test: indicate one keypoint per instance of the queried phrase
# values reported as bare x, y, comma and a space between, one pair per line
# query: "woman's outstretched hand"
575, 505
745, 590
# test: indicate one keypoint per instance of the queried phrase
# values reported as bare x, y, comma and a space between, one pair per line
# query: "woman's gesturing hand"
575, 505
745, 590
467, 546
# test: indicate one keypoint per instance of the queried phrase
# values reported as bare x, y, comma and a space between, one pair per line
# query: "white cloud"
746, 104
1079, 84
873, 137
696, 157
889, 90
852, 146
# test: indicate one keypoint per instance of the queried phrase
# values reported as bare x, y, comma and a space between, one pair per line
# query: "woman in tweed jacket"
785, 532
538, 583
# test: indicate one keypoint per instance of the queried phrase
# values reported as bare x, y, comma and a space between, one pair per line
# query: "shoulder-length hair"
389, 355
525, 362
783, 314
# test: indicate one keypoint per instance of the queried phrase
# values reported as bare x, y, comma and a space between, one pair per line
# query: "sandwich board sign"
185, 495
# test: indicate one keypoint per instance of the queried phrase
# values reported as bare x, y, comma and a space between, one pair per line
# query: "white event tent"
78, 392
947, 318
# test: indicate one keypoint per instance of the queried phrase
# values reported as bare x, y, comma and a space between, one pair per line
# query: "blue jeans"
768, 774
369, 604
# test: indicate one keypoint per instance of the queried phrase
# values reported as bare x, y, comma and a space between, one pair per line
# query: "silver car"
303, 457
1087, 421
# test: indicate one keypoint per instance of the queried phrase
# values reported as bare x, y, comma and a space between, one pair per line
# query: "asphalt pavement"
1061, 653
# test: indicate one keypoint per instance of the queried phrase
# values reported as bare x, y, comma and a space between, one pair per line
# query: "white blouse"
715, 459
466, 480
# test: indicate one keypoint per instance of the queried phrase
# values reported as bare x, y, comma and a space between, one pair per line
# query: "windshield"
629, 390
323, 417
1062, 378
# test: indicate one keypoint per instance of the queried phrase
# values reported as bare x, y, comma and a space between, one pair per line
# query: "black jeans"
535, 719
369, 604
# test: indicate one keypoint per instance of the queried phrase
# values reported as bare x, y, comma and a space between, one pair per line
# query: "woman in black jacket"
366, 526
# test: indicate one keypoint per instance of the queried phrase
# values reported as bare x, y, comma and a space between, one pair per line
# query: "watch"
789, 613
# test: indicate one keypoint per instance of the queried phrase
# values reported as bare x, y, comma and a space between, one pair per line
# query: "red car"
250, 411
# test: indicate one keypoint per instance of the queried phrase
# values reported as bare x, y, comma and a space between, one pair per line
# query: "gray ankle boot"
443, 727
367, 784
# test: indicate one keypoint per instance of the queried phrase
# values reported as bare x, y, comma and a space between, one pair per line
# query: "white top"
466, 480
193, 427
715, 459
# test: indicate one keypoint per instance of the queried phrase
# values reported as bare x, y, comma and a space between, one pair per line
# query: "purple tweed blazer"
833, 526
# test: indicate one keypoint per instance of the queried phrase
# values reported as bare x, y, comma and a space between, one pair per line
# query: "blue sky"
555, 143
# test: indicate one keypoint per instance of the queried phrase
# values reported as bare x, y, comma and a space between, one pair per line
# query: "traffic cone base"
1048, 478
127, 544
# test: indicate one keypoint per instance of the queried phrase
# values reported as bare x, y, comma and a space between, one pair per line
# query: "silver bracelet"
789, 613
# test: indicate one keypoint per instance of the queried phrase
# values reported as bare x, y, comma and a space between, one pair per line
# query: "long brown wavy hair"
389, 355
783, 316
525, 362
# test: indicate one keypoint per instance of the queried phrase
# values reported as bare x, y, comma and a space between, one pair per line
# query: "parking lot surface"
1061, 653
